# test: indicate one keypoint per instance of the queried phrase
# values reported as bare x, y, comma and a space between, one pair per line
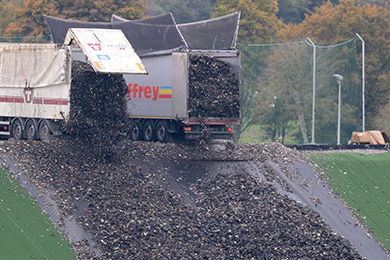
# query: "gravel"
131, 215
213, 88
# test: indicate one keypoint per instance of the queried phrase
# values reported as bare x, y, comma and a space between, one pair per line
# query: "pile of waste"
213, 88
131, 214
98, 108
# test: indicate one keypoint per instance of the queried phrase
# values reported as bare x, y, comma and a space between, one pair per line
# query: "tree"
294, 11
258, 18
382, 121
336, 23
29, 19
258, 23
183, 11
7, 10
287, 79
382, 3
99, 11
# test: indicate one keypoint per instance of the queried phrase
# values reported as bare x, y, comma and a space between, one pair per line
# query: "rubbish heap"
98, 108
213, 88
132, 215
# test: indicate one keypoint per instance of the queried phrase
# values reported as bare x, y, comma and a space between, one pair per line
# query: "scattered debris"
131, 215
98, 107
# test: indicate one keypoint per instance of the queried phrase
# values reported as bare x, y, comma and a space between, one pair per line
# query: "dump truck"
161, 104
35, 79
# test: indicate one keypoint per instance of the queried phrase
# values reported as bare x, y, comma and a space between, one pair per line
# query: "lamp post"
339, 78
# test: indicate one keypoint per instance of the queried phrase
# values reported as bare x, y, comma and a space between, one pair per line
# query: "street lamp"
339, 78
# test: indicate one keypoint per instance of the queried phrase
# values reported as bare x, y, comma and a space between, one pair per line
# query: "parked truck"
159, 103
34, 89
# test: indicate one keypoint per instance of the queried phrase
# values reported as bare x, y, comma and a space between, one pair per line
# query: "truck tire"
31, 130
136, 132
17, 130
162, 133
148, 131
44, 131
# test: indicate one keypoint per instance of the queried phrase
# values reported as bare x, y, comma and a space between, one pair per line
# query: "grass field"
254, 134
363, 182
25, 231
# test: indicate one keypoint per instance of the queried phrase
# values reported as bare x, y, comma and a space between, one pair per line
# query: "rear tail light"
187, 128
5, 128
230, 129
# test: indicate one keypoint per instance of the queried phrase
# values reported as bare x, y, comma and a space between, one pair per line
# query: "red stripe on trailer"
165, 96
213, 121
11, 99
57, 101
38, 101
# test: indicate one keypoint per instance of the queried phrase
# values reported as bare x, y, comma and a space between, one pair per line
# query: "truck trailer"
160, 104
35, 79
34, 89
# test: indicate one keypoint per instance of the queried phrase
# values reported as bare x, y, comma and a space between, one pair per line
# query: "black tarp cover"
145, 36
212, 34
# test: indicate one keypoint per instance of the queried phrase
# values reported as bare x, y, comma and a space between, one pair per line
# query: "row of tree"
276, 80
25, 18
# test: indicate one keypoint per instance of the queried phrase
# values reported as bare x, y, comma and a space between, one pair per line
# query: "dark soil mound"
132, 215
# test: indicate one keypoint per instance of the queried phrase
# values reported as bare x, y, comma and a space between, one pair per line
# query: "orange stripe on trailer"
139, 65
98, 65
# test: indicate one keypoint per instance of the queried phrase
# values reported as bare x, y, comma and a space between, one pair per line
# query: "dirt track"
184, 177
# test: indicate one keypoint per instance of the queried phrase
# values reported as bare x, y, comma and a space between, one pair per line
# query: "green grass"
363, 182
251, 135
255, 134
25, 231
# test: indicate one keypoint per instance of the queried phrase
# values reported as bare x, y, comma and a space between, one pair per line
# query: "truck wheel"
17, 130
31, 130
136, 132
44, 131
162, 132
148, 131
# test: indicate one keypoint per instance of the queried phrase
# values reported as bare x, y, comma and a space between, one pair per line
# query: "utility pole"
339, 78
314, 91
363, 84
